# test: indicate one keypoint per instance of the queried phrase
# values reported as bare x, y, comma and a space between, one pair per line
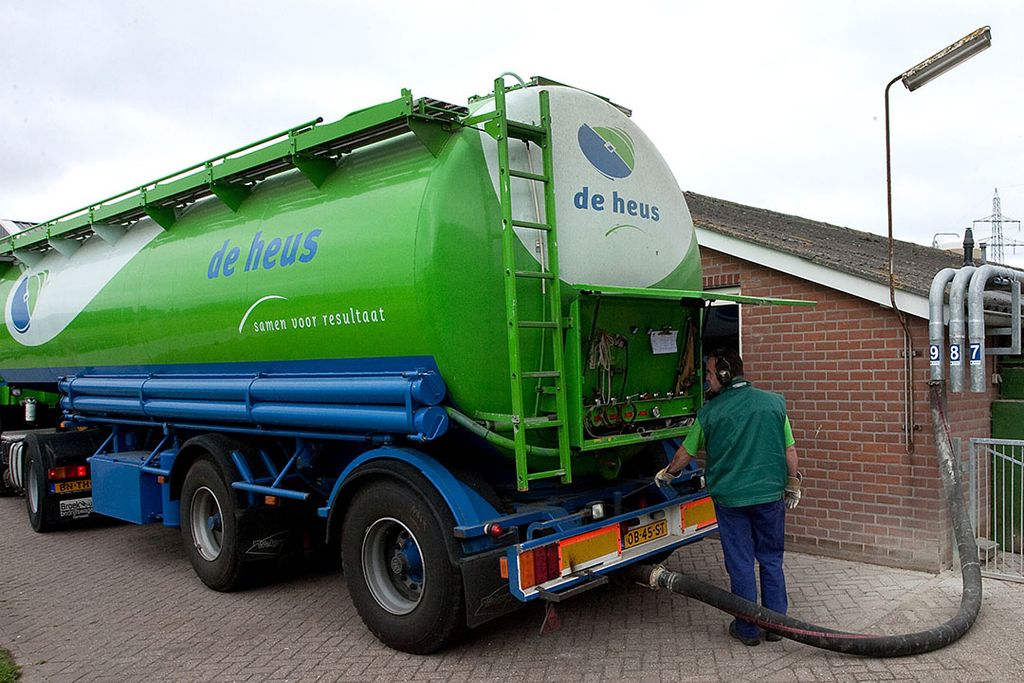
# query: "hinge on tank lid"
66, 246
232, 194
165, 216
27, 256
316, 169
107, 232
431, 133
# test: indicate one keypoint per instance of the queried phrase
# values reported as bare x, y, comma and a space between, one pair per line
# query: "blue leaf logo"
25, 296
610, 150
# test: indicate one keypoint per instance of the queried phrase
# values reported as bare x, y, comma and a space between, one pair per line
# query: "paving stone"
120, 603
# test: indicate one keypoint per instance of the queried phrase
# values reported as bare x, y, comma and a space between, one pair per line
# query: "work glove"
792, 491
664, 477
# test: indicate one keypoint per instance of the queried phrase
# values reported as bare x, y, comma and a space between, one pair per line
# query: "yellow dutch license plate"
645, 533
73, 486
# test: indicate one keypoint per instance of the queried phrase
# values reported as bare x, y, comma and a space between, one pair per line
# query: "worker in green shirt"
752, 478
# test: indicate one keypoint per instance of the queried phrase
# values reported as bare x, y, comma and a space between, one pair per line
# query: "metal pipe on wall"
976, 319
936, 328
957, 333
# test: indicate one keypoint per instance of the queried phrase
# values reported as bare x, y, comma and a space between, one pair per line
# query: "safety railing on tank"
41, 228
312, 147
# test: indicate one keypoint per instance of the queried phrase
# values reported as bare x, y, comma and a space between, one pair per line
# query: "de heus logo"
24, 301
264, 253
610, 150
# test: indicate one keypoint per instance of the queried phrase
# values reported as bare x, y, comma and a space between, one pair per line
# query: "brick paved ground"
121, 604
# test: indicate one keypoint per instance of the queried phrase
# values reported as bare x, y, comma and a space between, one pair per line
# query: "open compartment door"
634, 364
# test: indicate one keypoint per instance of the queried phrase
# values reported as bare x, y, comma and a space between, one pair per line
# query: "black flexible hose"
857, 643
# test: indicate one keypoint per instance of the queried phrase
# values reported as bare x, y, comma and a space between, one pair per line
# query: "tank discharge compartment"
661, 345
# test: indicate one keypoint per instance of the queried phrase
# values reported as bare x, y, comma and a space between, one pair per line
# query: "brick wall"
841, 369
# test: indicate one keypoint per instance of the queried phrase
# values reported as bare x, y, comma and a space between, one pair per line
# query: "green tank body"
394, 260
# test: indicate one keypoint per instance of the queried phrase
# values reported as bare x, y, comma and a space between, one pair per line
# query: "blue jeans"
748, 533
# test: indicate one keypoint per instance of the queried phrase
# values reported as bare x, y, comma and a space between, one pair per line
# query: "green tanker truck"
451, 344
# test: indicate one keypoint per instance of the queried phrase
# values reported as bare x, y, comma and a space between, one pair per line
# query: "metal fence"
995, 473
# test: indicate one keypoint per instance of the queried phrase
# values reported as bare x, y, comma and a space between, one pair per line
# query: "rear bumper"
607, 545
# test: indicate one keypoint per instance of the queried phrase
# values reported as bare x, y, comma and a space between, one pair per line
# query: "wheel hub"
205, 518
393, 566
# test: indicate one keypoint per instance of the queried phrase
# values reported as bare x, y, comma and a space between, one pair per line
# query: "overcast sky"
777, 105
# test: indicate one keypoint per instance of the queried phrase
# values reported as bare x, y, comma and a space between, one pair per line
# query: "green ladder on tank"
550, 381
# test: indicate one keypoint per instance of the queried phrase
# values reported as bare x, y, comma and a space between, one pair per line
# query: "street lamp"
913, 78
946, 59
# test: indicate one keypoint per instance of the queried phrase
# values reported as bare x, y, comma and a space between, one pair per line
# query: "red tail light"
68, 472
539, 565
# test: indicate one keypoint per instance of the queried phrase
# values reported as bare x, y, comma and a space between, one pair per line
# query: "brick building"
841, 367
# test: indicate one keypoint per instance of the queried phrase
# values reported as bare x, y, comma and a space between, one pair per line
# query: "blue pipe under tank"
425, 388
385, 403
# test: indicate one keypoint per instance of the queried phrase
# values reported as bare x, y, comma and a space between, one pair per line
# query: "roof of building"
9, 227
860, 254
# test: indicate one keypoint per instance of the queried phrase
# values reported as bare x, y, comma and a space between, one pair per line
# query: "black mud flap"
487, 594
270, 533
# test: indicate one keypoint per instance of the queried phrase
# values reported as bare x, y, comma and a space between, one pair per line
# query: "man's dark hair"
732, 360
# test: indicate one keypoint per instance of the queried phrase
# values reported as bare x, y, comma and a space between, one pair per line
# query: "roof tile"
862, 254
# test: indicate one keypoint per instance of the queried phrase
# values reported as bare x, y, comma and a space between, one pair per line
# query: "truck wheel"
7, 474
34, 478
398, 570
209, 526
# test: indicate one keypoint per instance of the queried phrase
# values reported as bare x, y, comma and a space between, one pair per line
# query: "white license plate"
79, 507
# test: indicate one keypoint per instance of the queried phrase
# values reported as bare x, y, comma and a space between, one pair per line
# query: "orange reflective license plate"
645, 533
76, 486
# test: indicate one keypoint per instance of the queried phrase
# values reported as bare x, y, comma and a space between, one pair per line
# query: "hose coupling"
654, 582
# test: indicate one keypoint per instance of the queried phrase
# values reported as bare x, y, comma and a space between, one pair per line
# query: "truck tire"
41, 450
34, 479
399, 572
209, 526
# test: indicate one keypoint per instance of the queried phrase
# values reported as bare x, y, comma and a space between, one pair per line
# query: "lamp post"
913, 78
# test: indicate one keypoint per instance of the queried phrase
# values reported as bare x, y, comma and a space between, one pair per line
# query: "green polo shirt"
745, 432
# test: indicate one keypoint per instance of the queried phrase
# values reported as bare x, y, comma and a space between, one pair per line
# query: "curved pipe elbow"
936, 325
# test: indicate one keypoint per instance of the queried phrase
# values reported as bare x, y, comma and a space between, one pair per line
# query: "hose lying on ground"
857, 643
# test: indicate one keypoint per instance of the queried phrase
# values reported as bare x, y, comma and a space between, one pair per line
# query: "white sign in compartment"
664, 341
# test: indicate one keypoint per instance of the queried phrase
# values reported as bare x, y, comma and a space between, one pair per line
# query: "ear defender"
723, 371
